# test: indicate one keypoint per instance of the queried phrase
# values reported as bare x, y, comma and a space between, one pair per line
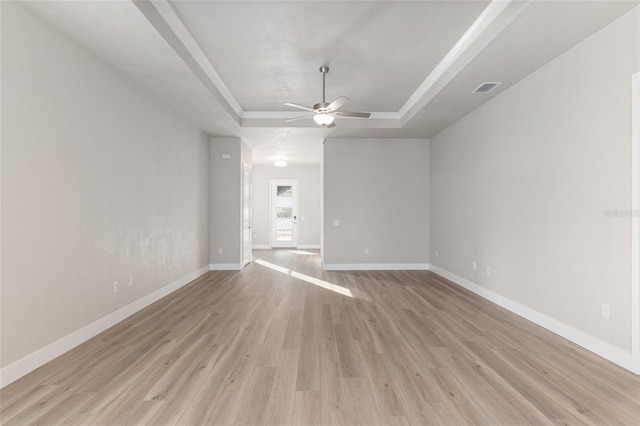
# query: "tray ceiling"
228, 66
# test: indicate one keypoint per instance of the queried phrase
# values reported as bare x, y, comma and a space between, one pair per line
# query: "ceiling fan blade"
299, 118
298, 106
338, 103
332, 124
353, 114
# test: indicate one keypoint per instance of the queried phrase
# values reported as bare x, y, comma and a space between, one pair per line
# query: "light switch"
336, 222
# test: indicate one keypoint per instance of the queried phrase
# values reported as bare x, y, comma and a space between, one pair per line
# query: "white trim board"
27, 364
225, 267
375, 266
587, 341
635, 222
300, 246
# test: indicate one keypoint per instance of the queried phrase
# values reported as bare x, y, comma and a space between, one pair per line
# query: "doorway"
284, 213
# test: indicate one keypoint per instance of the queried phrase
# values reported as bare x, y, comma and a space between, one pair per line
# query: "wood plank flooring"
284, 343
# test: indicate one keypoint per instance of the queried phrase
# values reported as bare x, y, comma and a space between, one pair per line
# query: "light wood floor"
270, 346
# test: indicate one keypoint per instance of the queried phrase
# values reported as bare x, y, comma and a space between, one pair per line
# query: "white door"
284, 213
246, 215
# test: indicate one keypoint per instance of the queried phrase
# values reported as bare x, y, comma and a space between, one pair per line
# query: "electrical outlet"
116, 286
366, 251
475, 266
130, 280
220, 250
606, 310
488, 270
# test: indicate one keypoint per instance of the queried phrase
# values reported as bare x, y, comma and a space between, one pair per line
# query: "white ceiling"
228, 66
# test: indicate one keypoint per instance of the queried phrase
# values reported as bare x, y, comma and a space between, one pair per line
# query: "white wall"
379, 191
226, 201
99, 182
523, 183
309, 187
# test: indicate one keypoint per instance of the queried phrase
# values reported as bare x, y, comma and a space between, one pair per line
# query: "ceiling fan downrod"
324, 70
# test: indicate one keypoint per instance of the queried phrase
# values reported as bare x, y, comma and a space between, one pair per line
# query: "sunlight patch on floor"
311, 280
302, 252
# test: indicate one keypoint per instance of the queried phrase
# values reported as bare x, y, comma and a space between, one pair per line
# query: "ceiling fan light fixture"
323, 119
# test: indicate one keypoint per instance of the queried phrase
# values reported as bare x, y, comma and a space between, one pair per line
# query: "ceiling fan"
324, 113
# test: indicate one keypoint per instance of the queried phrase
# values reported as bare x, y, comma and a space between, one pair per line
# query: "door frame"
635, 222
246, 242
273, 182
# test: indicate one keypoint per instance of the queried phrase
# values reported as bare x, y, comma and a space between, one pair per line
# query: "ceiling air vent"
487, 86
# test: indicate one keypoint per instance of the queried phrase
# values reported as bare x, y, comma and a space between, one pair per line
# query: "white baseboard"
225, 267
23, 366
604, 349
309, 246
300, 246
375, 266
